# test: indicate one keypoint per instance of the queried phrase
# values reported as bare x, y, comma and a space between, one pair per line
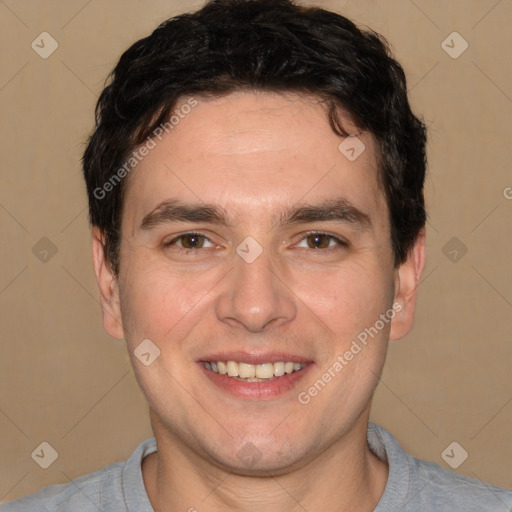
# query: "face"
249, 236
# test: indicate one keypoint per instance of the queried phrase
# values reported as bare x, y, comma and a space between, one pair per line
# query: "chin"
257, 456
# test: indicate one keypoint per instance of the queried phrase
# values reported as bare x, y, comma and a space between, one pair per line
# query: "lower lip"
257, 390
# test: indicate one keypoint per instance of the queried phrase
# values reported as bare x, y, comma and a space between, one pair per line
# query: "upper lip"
255, 358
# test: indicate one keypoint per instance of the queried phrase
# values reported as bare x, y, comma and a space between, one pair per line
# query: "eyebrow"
339, 210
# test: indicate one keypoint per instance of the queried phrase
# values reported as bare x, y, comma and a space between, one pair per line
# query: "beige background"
64, 381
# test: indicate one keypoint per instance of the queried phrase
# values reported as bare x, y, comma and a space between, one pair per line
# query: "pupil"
191, 241
319, 241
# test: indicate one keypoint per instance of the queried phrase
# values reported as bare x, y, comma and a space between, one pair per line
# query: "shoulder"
82, 494
107, 489
439, 487
416, 485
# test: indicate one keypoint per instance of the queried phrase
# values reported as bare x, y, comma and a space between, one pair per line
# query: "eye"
318, 240
190, 241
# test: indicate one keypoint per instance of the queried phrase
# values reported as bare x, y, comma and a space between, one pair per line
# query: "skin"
254, 154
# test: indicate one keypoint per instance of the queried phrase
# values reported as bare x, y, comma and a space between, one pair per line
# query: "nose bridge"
255, 296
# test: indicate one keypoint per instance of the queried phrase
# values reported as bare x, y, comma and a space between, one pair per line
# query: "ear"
406, 284
108, 286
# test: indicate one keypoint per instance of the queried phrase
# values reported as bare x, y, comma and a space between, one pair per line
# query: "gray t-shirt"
413, 485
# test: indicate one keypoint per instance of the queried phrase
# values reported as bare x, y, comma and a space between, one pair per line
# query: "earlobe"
107, 285
406, 284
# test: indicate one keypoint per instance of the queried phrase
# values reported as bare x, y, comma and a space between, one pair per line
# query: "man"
255, 185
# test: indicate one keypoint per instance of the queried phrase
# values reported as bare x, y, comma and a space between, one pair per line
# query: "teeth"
246, 371
232, 368
253, 372
265, 371
279, 369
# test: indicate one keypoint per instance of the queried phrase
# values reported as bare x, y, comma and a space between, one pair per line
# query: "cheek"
347, 299
151, 303
163, 304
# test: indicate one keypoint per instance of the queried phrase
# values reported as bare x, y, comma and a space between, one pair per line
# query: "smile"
253, 372
257, 380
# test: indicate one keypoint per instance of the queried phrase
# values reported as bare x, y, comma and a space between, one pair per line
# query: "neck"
346, 476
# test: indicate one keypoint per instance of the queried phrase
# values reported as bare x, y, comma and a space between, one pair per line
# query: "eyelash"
340, 243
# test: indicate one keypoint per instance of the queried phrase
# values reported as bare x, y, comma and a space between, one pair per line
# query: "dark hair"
267, 45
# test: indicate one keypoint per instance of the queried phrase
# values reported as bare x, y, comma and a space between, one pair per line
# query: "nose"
256, 295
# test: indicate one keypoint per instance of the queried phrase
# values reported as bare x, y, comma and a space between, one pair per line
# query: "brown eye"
318, 241
189, 241
192, 241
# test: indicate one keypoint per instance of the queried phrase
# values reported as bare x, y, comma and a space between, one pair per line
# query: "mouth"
246, 372
255, 377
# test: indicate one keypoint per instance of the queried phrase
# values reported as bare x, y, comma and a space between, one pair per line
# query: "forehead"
252, 153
